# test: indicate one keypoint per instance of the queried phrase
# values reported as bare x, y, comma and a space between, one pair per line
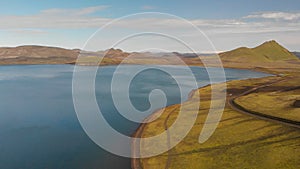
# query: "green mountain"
267, 52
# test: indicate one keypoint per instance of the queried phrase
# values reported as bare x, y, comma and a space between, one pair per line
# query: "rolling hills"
269, 54
32, 54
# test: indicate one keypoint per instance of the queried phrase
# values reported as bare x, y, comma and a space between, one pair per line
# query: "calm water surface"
38, 124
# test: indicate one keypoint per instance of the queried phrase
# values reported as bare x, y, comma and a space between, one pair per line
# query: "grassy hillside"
276, 100
240, 141
267, 52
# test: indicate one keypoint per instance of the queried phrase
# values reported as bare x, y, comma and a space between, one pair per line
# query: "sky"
140, 25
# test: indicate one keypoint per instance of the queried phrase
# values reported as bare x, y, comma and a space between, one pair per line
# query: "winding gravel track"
262, 116
136, 162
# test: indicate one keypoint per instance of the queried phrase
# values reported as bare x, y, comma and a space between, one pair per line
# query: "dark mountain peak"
112, 52
271, 42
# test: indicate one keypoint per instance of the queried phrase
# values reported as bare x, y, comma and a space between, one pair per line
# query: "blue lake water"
38, 124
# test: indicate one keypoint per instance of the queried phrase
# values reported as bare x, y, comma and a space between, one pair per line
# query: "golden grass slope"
276, 100
240, 141
267, 52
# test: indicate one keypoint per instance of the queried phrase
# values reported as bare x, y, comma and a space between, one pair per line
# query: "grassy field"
276, 100
240, 141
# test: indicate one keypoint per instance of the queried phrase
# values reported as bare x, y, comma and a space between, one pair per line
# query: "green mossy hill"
267, 52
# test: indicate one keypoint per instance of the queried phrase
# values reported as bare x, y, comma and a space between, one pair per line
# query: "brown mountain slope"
37, 55
269, 54
37, 52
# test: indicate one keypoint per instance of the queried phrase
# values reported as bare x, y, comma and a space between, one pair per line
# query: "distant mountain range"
296, 54
37, 55
32, 51
268, 52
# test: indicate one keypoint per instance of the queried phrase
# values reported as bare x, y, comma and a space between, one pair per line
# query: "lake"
38, 124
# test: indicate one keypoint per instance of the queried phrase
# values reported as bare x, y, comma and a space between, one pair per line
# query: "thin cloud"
77, 12
263, 24
288, 16
148, 7
57, 18
28, 31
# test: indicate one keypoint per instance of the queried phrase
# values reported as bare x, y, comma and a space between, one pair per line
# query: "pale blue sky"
228, 24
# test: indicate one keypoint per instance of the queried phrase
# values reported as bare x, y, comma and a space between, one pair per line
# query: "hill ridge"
266, 52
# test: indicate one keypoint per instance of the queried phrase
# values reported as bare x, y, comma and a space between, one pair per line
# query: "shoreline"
254, 69
135, 162
137, 134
